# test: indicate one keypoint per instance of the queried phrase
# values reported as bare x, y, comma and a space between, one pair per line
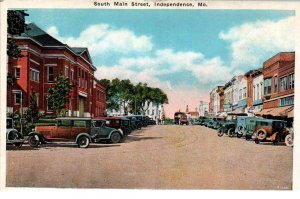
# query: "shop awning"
279, 111
238, 110
290, 114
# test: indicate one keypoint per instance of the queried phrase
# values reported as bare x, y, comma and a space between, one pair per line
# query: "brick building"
254, 87
44, 59
216, 101
279, 82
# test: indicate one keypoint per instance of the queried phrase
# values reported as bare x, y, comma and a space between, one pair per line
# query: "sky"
186, 53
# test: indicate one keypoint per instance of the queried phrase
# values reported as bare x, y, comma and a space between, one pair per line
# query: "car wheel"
33, 140
18, 145
230, 132
115, 137
256, 141
220, 133
261, 134
83, 141
239, 135
289, 140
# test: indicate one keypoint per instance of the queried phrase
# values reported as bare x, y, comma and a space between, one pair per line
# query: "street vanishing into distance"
156, 157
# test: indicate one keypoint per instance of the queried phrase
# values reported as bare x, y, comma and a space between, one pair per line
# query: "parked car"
120, 123
13, 136
209, 123
229, 125
217, 122
289, 138
269, 129
81, 131
135, 122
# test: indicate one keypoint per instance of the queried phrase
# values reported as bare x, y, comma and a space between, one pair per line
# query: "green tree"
124, 90
59, 95
15, 27
112, 102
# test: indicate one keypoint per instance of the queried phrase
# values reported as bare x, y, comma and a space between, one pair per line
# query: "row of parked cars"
81, 131
251, 128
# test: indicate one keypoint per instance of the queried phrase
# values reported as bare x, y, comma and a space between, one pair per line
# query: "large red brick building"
44, 59
279, 83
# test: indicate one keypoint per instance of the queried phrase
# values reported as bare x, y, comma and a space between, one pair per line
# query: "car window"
64, 123
97, 123
82, 124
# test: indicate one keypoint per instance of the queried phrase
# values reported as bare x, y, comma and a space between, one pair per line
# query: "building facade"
228, 97
203, 109
216, 100
279, 83
44, 58
254, 88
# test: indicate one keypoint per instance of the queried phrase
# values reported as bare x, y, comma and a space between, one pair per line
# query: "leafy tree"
112, 102
32, 113
15, 27
59, 95
124, 89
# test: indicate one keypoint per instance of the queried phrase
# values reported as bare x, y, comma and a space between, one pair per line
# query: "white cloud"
103, 38
252, 43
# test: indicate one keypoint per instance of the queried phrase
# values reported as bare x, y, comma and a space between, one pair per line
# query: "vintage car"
269, 129
229, 125
120, 123
13, 136
180, 118
217, 123
81, 131
209, 123
289, 138
135, 122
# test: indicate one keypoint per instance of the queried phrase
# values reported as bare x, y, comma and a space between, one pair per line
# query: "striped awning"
279, 111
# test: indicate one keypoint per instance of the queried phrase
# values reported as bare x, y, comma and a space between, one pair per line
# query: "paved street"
156, 157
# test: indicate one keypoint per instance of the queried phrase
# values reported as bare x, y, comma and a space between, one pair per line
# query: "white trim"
59, 56
279, 97
50, 64
38, 75
34, 62
82, 94
16, 91
59, 47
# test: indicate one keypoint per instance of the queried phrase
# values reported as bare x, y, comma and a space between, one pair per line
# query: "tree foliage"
122, 94
15, 27
58, 95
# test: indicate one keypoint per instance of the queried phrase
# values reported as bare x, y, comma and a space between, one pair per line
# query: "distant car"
13, 136
81, 131
135, 123
120, 123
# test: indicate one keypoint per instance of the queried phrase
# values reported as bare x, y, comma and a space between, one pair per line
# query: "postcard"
155, 95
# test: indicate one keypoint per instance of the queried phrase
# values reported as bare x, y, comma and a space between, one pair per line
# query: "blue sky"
185, 52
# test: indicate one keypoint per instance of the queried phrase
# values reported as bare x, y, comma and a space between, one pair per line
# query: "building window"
17, 98
254, 93
257, 92
66, 71
240, 94
72, 74
287, 101
50, 73
34, 75
267, 86
244, 92
17, 73
275, 84
49, 106
282, 83
291, 81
